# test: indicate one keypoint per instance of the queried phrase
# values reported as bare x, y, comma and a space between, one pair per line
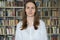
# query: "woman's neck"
30, 20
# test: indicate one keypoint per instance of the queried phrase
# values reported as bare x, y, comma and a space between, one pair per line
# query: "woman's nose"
30, 10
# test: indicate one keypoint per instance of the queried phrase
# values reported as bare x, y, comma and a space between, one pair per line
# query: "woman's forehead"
30, 4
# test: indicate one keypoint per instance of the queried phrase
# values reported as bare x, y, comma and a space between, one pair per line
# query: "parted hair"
36, 17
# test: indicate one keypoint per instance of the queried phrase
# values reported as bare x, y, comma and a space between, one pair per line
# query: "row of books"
39, 3
47, 22
55, 21
50, 3
1, 22
2, 31
54, 37
53, 30
10, 38
2, 11
2, 38
10, 30
13, 22
52, 12
10, 12
9, 22
51, 22
7, 38
55, 12
19, 12
10, 3
7, 31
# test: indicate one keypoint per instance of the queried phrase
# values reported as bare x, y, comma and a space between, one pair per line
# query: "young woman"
31, 27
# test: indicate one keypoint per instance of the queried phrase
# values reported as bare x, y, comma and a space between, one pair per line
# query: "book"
49, 38
11, 22
19, 12
54, 13
0, 31
45, 12
2, 3
51, 30
19, 3
54, 3
10, 0
10, 30
46, 3
58, 30
48, 30
48, 22
39, 12
1, 22
6, 22
2, 12
58, 12
28, 0
3, 31
10, 3
10, 12
58, 37
54, 37
58, 21
54, 22
13, 30
1, 37
54, 30
10, 38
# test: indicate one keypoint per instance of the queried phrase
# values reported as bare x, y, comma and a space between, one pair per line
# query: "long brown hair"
36, 17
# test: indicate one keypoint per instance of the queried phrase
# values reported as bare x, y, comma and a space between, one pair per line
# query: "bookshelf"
11, 14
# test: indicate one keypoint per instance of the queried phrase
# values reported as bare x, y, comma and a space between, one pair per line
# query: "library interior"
11, 14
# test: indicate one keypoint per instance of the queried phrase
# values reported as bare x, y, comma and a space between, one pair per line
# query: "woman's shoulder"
42, 24
41, 21
19, 24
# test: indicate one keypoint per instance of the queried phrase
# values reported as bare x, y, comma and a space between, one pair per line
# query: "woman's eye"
33, 8
27, 7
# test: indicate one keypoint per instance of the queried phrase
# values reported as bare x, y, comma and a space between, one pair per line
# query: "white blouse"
30, 33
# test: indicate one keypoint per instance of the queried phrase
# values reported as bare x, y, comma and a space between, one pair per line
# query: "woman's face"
30, 9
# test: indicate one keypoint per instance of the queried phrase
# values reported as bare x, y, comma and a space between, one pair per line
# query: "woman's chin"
30, 16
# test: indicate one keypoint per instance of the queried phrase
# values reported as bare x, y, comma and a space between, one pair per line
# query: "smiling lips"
30, 13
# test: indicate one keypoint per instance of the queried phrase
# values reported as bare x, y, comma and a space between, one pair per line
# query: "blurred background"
11, 14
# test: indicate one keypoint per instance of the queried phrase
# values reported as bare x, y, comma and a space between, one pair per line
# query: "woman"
31, 27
